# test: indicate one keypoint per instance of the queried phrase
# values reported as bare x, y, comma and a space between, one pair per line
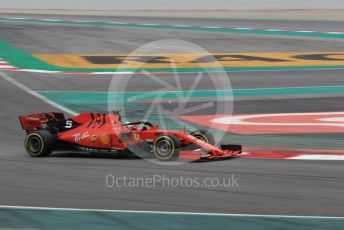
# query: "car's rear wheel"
166, 147
39, 143
204, 135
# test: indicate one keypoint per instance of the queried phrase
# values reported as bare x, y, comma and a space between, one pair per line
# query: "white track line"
243, 28
49, 20
35, 94
82, 21
6, 66
119, 23
181, 25
149, 24
274, 30
305, 31
317, 157
20, 18
334, 32
166, 212
213, 27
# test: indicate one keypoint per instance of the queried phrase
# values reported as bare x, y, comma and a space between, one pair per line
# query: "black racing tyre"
39, 143
166, 147
204, 135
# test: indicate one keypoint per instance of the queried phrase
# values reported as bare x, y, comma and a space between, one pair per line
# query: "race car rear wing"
41, 121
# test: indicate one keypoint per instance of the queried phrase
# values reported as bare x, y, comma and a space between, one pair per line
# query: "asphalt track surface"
78, 180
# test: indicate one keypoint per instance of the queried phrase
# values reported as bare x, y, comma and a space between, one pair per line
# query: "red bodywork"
95, 131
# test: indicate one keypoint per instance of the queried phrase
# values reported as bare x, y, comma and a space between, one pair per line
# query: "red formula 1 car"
95, 132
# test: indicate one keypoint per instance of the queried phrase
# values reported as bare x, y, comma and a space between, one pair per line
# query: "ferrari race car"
95, 132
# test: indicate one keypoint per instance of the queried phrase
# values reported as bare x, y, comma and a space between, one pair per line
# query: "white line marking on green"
119, 23
243, 28
83, 21
167, 212
240, 89
50, 20
149, 24
35, 94
212, 27
334, 32
181, 25
276, 30
19, 18
287, 32
305, 31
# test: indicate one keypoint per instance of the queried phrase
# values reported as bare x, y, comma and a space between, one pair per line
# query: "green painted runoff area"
186, 27
74, 219
70, 99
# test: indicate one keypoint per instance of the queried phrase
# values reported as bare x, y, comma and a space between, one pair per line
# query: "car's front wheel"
166, 147
204, 135
39, 143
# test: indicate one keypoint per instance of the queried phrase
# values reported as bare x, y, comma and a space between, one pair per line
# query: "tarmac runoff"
283, 15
